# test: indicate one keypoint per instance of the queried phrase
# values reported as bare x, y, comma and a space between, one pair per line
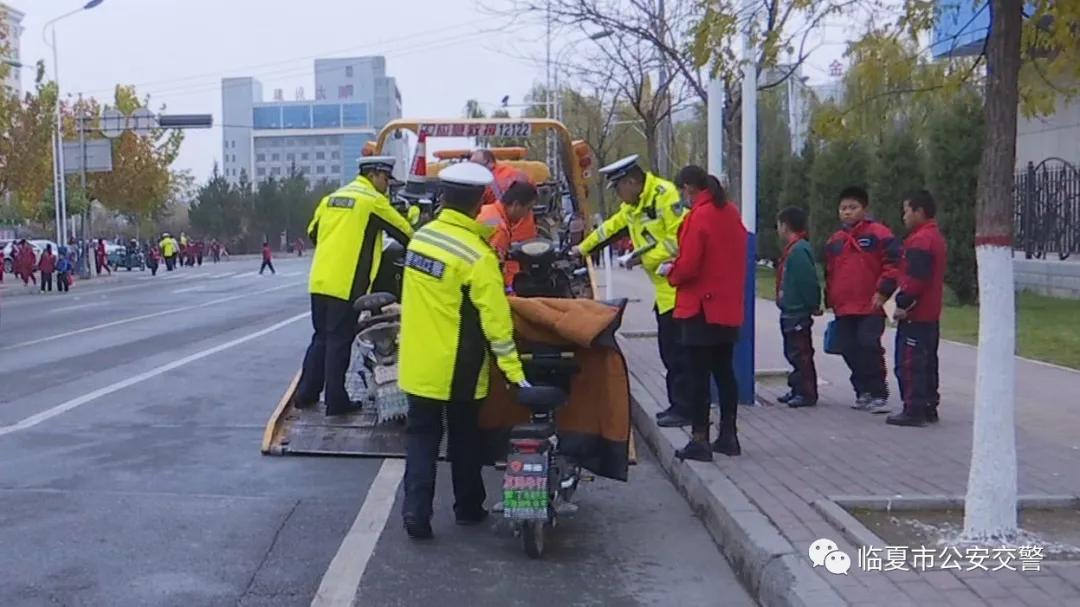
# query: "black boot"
912, 415
698, 447
672, 419
418, 529
931, 414
786, 398
728, 444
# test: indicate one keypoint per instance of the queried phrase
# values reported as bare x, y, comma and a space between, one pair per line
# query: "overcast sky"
178, 51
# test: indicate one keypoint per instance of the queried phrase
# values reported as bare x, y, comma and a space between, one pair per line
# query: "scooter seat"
371, 321
542, 399
373, 302
380, 332
538, 430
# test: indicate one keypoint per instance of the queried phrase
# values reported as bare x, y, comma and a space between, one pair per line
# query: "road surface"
131, 414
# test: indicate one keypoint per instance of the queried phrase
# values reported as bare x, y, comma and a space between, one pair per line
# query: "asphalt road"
131, 413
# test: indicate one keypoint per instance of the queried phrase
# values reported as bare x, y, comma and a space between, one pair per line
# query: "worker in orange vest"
513, 222
505, 175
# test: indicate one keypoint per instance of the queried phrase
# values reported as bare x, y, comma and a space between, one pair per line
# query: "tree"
990, 508
141, 180
954, 146
896, 170
837, 165
774, 152
26, 148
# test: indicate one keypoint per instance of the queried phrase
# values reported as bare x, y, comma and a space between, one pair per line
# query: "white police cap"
467, 174
385, 163
618, 169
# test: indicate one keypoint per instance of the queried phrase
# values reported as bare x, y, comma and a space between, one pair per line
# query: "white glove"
665, 268
524, 384
623, 259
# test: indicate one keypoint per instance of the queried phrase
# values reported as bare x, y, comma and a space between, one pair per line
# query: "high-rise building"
321, 137
12, 29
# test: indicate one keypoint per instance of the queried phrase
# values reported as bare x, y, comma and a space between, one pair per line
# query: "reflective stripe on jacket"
653, 226
348, 229
454, 311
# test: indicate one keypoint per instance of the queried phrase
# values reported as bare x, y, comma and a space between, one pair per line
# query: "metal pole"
61, 189
716, 127
744, 357
663, 148
84, 266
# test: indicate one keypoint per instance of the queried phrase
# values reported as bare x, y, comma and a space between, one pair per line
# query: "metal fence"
1047, 209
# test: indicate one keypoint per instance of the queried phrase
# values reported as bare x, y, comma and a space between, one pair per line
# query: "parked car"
37, 245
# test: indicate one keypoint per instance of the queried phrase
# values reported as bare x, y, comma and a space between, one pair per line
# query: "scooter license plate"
525, 487
385, 375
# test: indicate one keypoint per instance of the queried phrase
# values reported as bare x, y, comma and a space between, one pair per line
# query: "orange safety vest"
494, 215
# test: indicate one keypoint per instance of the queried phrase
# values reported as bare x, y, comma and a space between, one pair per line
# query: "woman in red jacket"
709, 275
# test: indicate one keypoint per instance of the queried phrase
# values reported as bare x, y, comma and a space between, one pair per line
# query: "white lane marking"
288, 274
222, 275
77, 307
64, 407
189, 289
342, 579
125, 321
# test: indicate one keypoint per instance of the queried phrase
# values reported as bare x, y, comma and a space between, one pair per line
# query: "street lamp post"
59, 187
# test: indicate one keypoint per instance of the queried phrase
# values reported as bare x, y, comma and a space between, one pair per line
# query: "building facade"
323, 137
12, 27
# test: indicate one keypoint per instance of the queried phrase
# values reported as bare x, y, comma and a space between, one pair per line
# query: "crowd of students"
52, 265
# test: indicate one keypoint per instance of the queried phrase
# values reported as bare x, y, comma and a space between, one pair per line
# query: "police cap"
466, 175
619, 169
381, 163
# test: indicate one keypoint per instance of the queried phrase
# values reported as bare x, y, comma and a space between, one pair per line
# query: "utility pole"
84, 265
663, 146
744, 351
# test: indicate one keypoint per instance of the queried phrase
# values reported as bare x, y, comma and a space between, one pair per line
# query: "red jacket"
47, 263
859, 261
922, 275
710, 271
267, 255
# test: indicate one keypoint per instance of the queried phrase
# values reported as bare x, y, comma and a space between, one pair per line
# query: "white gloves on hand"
624, 259
524, 384
665, 268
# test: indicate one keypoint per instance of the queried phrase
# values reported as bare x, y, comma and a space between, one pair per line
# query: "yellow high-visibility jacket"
652, 222
453, 312
347, 230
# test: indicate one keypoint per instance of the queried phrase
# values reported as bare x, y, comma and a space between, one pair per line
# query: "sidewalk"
795, 457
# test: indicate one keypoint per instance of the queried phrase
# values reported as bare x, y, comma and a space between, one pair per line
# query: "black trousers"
860, 337
170, 262
46, 281
715, 362
267, 264
327, 357
799, 352
917, 363
423, 435
674, 357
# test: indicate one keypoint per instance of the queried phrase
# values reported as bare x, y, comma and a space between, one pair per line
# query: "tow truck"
566, 200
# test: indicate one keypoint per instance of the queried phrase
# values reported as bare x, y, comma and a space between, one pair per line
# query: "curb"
776, 574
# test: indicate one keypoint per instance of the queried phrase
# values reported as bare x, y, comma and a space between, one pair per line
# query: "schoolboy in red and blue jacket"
861, 264
918, 311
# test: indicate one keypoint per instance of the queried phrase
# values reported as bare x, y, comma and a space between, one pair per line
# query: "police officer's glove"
524, 384
664, 269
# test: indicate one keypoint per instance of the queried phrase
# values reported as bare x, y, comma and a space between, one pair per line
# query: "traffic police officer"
347, 230
651, 213
454, 313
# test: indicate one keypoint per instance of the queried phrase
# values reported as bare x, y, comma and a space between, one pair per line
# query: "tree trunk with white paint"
990, 510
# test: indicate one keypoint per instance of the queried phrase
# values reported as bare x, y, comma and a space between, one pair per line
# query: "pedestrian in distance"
267, 259
452, 299
24, 263
709, 275
347, 229
153, 260
861, 264
47, 265
101, 258
650, 213
1, 265
64, 266
918, 312
169, 249
299, 247
798, 295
